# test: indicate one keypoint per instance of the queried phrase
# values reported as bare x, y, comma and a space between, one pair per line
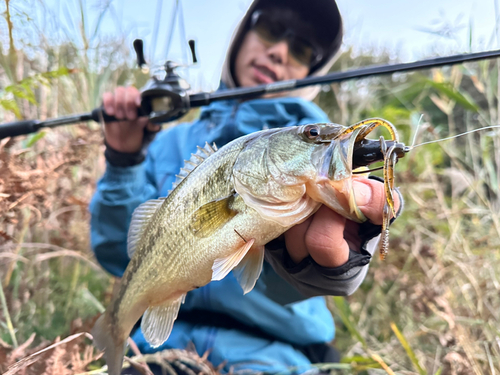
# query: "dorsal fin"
196, 159
139, 221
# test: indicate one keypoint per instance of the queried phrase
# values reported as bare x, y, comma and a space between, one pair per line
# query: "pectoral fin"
157, 321
222, 266
248, 270
211, 216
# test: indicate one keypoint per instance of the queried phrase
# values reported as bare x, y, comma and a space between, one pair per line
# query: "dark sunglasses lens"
273, 31
302, 52
270, 31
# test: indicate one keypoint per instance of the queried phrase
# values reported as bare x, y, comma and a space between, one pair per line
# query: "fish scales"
179, 207
218, 218
162, 255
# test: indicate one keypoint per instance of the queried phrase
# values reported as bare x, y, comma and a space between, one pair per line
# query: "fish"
225, 206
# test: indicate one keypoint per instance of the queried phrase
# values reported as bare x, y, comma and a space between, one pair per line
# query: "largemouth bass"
227, 205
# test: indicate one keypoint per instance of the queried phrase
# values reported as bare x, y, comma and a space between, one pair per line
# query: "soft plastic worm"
390, 158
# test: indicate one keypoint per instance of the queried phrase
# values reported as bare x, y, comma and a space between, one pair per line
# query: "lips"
263, 74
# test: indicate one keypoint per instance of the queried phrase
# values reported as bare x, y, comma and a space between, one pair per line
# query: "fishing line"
455, 136
427, 143
156, 28
182, 27
416, 130
172, 27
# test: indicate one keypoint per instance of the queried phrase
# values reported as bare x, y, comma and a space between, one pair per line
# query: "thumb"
370, 198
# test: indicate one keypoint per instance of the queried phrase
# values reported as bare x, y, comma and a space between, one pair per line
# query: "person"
284, 322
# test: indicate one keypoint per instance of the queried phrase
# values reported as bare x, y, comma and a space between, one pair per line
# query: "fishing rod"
167, 99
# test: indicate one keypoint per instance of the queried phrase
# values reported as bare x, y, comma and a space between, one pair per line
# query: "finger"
120, 103
132, 97
351, 235
108, 102
295, 241
145, 123
370, 198
150, 126
325, 238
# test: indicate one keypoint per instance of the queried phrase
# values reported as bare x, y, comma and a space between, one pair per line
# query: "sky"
407, 29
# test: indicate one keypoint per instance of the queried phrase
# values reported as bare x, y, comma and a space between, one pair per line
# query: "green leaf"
10, 105
392, 113
62, 71
24, 88
447, 89
408, 92
27, 86
408, 349
20, 91
332, 366
346, 317
35, 138
360, 360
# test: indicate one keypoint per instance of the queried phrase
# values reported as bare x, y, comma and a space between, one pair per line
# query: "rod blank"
197, 100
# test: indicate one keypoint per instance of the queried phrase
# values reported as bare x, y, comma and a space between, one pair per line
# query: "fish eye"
312, 132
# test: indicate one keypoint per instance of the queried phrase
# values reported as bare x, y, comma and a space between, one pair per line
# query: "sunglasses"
273, 31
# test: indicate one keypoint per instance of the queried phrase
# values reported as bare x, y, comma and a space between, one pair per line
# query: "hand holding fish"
327, 236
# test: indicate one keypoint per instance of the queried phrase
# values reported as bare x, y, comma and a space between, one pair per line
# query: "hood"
323, 12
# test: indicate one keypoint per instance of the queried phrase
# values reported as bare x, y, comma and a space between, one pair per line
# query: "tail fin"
104, 340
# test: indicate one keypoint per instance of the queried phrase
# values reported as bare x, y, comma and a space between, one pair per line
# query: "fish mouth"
337, 161
333, 186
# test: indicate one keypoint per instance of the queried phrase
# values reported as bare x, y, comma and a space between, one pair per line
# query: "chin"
276, 95
248, 82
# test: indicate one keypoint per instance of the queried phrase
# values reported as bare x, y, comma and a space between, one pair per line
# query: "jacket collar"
253, 115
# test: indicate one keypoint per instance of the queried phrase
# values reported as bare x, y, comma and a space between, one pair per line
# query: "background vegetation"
433, 307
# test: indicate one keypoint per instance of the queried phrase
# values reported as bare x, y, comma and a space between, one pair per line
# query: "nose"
278, 53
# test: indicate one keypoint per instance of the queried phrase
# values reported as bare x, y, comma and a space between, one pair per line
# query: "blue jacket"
284, 319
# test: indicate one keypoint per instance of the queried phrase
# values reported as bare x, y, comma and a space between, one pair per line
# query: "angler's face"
260, 62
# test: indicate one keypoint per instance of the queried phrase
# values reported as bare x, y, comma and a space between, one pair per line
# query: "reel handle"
139, 51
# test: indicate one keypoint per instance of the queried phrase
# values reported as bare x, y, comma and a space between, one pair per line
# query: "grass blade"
408, 349
381, 362
346, 317
10, 327
35, 138
447, 89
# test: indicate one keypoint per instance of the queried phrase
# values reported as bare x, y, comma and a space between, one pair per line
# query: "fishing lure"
367, 151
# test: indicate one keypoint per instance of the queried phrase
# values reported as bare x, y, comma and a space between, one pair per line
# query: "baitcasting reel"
164, 99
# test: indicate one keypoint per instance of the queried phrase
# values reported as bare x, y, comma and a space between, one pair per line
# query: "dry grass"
432, 308
74, 355
439, 286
